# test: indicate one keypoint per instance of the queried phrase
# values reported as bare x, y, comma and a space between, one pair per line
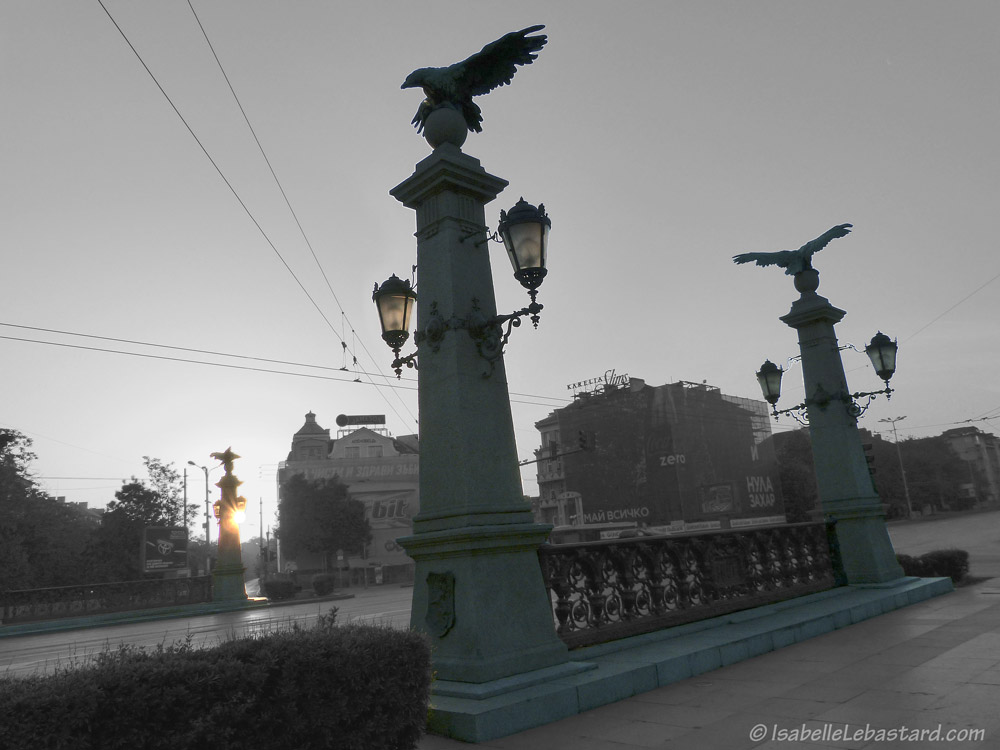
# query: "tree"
42, 541
319, 517
169, 485
797, 474
114, 551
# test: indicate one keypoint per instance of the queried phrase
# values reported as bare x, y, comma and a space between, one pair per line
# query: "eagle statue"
795, 261
484, 71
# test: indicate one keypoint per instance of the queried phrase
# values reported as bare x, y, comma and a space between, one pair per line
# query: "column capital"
447, 168
812, 308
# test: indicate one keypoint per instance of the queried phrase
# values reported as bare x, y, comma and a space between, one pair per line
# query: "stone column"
845, 488
227, 576
478, 590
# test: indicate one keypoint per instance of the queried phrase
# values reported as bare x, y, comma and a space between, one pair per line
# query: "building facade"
981, 451
380, 471
674, 458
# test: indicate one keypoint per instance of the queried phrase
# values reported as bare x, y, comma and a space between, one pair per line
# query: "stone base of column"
866, 552
479, 596
228, 584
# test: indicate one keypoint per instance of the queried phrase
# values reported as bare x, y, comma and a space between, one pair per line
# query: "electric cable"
230, 186
235, 367
221, 354
288, 203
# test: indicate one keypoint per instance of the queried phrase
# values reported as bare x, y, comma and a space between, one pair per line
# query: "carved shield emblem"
440, 616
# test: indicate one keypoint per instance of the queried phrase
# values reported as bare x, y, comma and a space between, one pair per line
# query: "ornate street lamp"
395, 300
240, 513
882, 352
524, 231
769, 377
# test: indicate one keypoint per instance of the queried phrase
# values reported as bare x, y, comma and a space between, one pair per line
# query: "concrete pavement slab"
932, 666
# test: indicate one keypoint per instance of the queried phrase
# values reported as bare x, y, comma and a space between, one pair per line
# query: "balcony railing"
80, 601
602, 591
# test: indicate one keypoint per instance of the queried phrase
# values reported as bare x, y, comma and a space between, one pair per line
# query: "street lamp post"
227, 577
478, 590
899, 455
842, 478
207, 503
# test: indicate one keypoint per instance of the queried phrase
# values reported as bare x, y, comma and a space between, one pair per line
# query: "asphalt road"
45, 652
976, 533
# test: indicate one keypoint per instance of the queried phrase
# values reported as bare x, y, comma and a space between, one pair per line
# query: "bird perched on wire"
479, 74
795, 261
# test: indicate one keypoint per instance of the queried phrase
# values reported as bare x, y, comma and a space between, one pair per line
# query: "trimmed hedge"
356, 687
953, 563
279, 588
323, 583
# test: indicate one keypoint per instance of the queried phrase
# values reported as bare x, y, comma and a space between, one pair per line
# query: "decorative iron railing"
77, 601
602, 591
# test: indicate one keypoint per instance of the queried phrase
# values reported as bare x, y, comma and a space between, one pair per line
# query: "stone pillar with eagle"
478, 590
227, 576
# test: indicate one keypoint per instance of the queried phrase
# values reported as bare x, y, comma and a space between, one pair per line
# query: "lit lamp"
241, 510
882, 352
769, 377
217, 509
394, 300
524, 231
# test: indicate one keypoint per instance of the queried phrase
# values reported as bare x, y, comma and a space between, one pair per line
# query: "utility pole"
899, 455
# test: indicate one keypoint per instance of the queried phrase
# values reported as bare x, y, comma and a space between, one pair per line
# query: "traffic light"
870, 457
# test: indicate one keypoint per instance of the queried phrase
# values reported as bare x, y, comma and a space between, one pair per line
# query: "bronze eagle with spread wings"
484, 71
795, 261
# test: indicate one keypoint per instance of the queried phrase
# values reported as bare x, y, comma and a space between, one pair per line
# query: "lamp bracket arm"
494, 236
410, 360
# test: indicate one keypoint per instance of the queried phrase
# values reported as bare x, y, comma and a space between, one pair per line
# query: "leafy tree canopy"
41, 540
114, 549
320, 517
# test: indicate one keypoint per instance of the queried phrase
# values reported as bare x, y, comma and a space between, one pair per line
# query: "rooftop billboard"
678, 457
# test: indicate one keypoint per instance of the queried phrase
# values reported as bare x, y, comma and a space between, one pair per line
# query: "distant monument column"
844, 483
227, 577
478, 589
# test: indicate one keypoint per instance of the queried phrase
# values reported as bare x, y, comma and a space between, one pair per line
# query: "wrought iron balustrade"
602, 591
79, 601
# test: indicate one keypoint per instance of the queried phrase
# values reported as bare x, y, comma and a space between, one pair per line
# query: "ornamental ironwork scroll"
602, 591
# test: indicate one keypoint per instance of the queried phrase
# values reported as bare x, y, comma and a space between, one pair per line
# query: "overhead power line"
288, 203
966, 297
219, 170
213, 352
234, 192
236, 367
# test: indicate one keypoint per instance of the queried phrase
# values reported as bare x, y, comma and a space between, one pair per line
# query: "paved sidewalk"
930, 665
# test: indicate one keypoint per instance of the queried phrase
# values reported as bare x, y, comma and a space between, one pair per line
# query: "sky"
663, 138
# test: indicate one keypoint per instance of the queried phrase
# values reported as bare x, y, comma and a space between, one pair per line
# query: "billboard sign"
674, 454
164, 548
344, 420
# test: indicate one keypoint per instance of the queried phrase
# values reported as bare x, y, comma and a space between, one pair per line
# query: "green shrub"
911, 565
953, 563
323, 583
946, 562
279, 588
353, 687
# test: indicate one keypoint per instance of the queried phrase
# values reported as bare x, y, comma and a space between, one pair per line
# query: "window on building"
352, 452
375, 451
